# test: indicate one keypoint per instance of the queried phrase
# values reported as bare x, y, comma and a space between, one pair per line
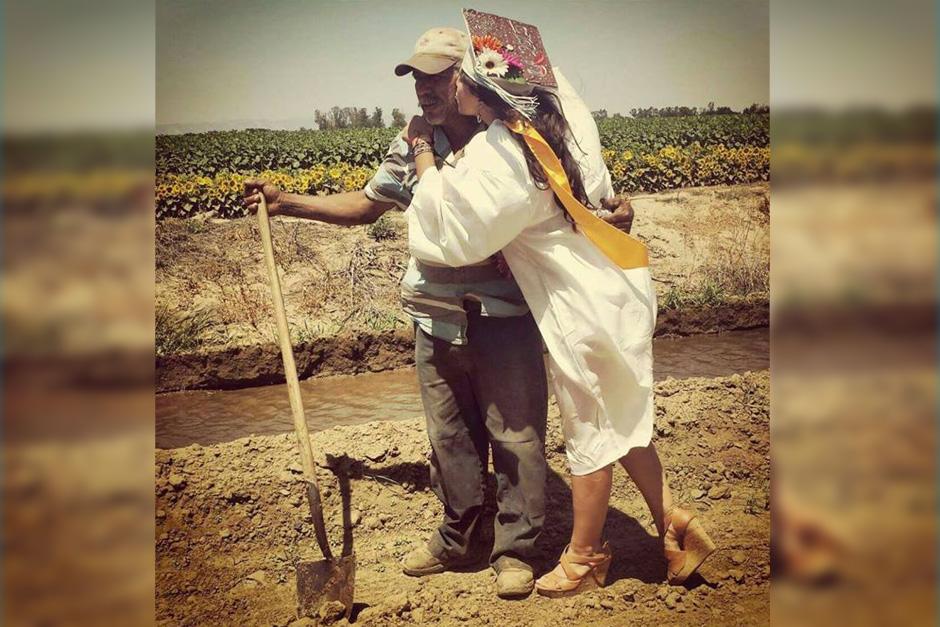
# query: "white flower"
491, 63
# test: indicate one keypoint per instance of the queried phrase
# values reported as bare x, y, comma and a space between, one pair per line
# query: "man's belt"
465, 274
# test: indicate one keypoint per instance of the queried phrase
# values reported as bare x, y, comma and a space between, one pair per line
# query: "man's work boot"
514, 580
421, 562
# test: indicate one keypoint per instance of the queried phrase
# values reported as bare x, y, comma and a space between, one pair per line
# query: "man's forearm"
347, 209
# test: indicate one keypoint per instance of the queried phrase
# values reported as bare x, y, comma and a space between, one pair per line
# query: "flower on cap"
496, 59
512, 60
491, 63
486, 41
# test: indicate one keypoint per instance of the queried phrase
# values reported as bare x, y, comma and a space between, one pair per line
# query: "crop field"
204, 172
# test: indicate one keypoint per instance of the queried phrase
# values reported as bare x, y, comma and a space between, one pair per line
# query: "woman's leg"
590, 495
685, 543
644, 467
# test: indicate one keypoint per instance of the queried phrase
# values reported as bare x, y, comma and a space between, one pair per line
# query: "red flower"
486, 41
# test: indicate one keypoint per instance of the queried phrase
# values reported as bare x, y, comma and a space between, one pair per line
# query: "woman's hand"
418, 128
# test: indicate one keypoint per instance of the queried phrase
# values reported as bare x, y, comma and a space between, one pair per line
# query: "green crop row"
650, 135
208, 154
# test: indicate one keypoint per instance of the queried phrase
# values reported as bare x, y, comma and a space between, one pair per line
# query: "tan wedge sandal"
554, 586
686, 545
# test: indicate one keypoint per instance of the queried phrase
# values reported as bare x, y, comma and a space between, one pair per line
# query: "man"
478, 353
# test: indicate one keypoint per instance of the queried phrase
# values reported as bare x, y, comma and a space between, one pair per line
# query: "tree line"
359, 117
669, 112
355, 117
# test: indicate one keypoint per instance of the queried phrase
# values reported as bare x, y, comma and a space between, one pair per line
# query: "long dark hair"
552, 125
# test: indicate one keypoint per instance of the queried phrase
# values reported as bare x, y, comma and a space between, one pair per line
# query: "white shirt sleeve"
586, 144
463, 215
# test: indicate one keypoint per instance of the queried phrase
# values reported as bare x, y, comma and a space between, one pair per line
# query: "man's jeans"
489, 392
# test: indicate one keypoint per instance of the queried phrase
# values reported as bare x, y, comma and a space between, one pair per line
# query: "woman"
596, 318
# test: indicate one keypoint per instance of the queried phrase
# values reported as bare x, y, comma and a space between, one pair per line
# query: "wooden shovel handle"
293, 385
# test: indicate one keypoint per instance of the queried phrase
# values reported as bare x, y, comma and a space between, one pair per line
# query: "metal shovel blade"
323, 581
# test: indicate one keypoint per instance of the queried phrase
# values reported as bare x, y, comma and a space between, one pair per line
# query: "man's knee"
518, 422
516, 435
520, 460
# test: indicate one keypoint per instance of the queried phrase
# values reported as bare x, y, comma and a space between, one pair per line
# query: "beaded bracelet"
420, 147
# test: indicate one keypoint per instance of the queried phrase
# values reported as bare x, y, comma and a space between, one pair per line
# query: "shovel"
330, 579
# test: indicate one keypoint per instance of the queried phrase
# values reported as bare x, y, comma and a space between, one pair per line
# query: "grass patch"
307, 332
196, 226
378, 320
383, 229
735, 272
737, 267
179, 332
704, 294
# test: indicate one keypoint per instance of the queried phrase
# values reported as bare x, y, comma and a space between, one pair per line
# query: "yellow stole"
623, 249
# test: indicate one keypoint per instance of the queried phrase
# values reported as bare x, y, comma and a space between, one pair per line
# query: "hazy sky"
221, 61
854, 52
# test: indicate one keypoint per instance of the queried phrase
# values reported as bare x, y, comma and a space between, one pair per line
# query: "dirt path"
231, 523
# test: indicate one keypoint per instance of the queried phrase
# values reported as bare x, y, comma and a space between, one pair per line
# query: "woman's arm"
420, 137
463, 215
424, 156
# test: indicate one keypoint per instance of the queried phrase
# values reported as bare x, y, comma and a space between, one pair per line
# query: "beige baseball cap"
435, 51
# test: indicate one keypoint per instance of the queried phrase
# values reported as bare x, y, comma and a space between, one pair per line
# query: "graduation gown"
596, 319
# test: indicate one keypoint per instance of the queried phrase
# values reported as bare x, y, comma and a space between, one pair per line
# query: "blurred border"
77, 300
853, 291
853, 311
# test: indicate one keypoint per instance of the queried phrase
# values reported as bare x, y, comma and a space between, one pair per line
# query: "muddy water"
209, 417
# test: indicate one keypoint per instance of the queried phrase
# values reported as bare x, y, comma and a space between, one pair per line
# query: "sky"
94, 65
841, 53
246, 62
70, 66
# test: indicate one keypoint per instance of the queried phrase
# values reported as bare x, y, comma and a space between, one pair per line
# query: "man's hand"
622, 212
418, 127
272, 194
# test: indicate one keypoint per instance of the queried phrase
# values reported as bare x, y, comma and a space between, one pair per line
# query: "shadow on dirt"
637, 553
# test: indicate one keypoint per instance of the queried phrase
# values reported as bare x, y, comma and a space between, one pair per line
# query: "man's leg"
510, 386
459, 451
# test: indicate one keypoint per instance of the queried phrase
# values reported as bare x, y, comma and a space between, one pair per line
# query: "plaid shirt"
435, 297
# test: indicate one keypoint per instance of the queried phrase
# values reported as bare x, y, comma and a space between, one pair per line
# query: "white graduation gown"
596, 319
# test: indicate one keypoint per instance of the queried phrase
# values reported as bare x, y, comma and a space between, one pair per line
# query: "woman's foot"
575, 573
685, 544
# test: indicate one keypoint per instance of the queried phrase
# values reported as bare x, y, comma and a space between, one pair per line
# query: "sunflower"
491, 63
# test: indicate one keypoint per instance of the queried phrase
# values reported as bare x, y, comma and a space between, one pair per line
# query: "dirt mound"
231, 522
245, 366
737, 313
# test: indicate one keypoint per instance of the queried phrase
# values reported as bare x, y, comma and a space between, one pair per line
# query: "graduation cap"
508, 58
